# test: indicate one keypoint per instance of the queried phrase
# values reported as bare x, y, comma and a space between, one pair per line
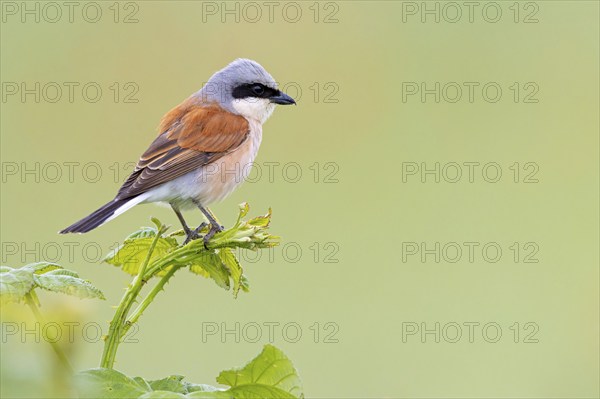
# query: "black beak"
282, 99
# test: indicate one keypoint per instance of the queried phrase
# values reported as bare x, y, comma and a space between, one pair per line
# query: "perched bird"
203, 148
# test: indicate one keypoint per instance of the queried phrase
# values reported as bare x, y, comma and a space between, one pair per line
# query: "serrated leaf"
64, 272
261, 221
133, 252
64, 282
233, 265
251, 234
107, 383
270, 373
15, 284
209, 264
42, 267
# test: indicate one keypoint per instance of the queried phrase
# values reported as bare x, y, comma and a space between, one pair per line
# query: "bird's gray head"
245, 88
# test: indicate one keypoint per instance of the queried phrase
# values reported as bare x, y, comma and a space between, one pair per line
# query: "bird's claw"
193, 234
214, 229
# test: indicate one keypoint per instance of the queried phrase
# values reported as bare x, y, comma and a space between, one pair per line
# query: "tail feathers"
100, 216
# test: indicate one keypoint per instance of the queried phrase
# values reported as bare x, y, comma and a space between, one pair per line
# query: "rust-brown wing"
191, 136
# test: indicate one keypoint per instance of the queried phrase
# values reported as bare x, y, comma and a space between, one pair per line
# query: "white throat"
258, 109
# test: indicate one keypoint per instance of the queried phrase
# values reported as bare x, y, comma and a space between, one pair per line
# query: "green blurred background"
358, 209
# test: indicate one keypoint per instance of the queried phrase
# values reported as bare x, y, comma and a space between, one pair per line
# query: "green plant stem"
137, 313
189, 250
32, 302
113, 339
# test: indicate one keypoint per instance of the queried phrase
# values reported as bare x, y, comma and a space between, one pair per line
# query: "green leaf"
249, 392
233, 265
42, 267
261, 221
107, 383
269, 375
250, 234
15, 284
209, 264
67, 282
218, 262
244, 209
172, 383
244, 284
133, 252
161, 395
201, 388
143, 232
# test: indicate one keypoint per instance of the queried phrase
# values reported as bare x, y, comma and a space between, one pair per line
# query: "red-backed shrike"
216, 129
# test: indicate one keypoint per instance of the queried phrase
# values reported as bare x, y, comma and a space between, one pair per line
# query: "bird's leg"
214, 226
190, 234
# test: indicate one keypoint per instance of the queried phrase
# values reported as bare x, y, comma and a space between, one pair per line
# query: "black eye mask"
256, 90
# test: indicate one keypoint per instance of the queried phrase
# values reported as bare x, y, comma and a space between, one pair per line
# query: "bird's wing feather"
191, 136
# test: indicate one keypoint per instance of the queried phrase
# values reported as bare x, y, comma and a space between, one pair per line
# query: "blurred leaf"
269, 375
172, 384
162, 394
201, 388
15, 284
43, 267
67, 282
248, 392
106, 383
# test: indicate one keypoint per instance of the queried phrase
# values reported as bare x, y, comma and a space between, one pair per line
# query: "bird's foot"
214, 229
193, 234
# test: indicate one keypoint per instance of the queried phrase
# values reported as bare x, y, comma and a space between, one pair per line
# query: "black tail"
95, 219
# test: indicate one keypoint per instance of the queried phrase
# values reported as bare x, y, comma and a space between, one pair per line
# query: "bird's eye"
258, 90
